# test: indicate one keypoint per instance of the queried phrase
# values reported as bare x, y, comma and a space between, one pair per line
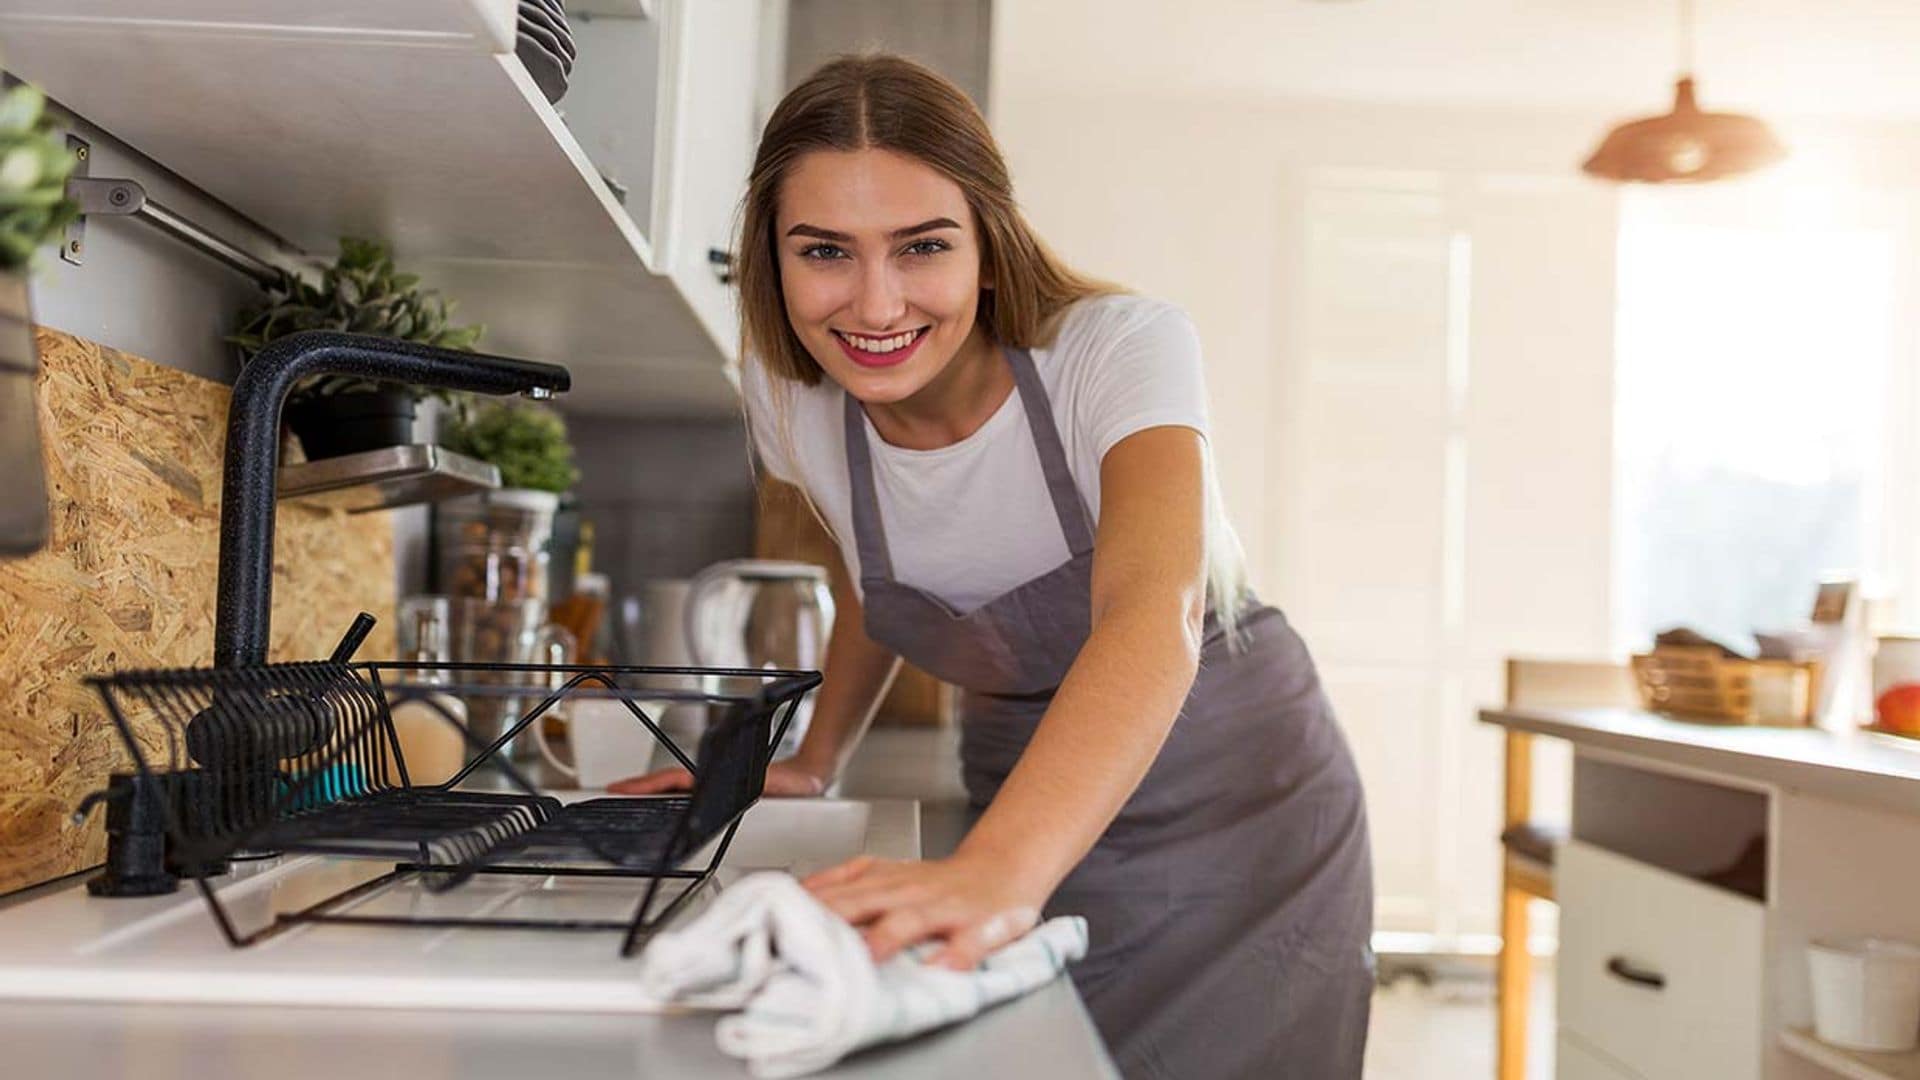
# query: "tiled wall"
666, 497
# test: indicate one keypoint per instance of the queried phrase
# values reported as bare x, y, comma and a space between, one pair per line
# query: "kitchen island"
1702, 860
222, 1035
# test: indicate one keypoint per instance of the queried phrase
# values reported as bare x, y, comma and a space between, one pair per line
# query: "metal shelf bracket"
74, 243
121, 197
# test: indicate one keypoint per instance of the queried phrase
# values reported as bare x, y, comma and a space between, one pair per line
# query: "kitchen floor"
1444, 1029
1433, 1021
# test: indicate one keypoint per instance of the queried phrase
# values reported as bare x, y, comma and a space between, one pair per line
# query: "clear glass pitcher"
757, 613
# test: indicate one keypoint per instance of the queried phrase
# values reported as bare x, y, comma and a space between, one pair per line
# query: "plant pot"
352, 423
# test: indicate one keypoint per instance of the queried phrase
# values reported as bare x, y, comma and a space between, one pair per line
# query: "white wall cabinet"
416, 123
714, 136
1703, 861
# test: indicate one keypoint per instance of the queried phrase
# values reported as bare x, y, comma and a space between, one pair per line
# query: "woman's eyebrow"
925, 226
819, 233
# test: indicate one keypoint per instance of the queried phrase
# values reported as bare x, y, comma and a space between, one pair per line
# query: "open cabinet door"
23, 477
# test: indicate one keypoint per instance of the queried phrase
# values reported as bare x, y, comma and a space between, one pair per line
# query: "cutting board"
133, 456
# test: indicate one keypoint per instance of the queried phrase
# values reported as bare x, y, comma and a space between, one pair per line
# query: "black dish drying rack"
233, 763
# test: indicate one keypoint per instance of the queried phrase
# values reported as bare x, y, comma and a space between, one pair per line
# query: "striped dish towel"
808, 992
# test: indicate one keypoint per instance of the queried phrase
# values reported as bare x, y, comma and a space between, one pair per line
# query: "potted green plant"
360, 293
527, 442
34, 164
495, 546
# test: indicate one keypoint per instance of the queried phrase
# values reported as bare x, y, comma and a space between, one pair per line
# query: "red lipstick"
882, 360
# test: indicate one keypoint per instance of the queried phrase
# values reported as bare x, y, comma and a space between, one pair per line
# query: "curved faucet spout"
245, 600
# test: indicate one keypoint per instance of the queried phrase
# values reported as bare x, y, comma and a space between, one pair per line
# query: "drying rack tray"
303, 757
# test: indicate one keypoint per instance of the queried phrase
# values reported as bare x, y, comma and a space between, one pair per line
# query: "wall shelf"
386, 478
413, 123
1853, 1064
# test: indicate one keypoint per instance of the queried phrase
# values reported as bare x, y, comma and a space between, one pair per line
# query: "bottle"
429, 724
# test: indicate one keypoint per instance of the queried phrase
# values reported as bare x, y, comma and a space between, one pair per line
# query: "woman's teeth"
881, 345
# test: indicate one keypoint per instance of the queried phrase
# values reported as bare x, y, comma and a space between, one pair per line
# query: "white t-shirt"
970, 521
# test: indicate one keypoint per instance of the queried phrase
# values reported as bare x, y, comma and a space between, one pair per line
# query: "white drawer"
1656, 970
1573, 1060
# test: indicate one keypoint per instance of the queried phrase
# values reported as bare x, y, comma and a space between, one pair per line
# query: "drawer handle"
1620, 969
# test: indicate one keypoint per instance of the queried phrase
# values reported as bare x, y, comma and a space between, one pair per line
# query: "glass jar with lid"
495, 546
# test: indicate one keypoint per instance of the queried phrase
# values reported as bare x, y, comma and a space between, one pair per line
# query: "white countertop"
1046, 1033
1862, 767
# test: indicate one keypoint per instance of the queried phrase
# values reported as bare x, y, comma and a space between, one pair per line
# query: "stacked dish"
545, 45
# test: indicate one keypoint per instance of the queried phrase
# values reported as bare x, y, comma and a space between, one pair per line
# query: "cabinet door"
485, 24
618, 106
1656, 970
1573, 1060
715, 53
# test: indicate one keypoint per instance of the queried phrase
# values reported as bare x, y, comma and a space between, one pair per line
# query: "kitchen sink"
66, 944
798, 835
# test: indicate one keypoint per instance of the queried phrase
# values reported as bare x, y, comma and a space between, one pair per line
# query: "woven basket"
1700, 683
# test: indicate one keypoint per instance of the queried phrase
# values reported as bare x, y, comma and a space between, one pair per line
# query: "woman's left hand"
972, 908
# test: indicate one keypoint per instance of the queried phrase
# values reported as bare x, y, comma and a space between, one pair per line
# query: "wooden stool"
1527, 846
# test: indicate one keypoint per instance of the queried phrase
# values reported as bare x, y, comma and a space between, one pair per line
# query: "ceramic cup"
608, 743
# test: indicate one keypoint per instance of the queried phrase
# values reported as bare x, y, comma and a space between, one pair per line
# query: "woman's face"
880, 269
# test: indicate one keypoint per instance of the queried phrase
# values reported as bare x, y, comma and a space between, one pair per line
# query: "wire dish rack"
304, 758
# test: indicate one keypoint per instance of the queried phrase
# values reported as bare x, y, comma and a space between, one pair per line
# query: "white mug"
609, 743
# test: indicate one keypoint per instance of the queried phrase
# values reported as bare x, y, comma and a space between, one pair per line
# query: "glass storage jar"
494, 546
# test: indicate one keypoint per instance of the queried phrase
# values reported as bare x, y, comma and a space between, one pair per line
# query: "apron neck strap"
1075, 522
869, 531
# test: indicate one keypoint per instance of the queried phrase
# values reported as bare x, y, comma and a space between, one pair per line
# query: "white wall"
1407, 320
1407, 312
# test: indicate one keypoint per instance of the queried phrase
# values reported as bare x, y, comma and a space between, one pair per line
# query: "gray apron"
1230, 903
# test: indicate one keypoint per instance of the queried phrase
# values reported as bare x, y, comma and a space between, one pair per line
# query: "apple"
1898, 708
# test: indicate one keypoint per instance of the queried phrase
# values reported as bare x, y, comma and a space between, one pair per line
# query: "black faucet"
237, 744
233, 745
245, 600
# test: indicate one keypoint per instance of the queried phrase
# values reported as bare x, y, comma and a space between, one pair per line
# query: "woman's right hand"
786, 779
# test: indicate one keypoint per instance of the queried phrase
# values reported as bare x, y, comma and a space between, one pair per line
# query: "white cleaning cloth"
809, 991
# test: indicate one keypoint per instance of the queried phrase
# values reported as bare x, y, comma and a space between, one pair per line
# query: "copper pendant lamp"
1685, 146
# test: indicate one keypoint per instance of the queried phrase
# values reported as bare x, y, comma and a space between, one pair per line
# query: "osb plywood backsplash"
133, 454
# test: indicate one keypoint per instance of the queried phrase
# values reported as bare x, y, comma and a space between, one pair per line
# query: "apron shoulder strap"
1075, 521
869, 532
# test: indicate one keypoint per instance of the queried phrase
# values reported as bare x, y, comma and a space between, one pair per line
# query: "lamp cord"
1686, 39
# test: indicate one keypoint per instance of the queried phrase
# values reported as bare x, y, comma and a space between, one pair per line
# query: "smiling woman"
1012, 459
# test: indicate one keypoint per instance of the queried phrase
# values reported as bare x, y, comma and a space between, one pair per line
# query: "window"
1753, 409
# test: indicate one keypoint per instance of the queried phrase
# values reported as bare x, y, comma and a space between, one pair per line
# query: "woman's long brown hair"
890, 103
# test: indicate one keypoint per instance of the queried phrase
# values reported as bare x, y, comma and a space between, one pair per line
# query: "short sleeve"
774, 452
1138, 367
